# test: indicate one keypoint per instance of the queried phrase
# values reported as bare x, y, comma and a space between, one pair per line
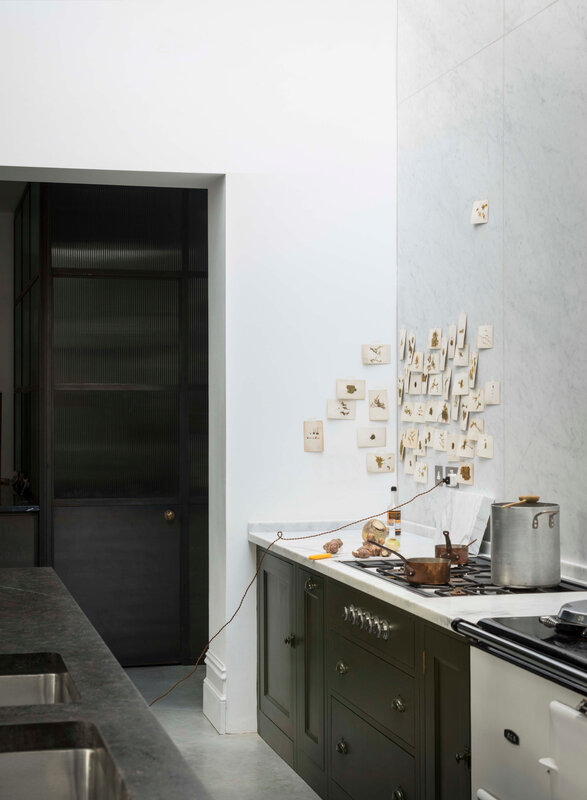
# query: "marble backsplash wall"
492, 103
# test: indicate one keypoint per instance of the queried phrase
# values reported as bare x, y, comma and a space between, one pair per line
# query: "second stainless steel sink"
35, 679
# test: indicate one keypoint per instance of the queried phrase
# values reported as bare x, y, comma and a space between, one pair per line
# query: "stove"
473, 578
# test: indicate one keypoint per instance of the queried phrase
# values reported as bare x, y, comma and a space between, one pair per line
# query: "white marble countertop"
439, 610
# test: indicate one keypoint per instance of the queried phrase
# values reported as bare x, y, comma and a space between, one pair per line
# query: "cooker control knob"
345, 613
352, 615
360, 617
384, 629
377, 627
368, 622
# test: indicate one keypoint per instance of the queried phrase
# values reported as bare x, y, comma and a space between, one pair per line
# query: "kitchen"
309, 197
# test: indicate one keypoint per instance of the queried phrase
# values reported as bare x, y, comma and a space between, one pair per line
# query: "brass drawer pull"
399, 794
311, 585
398, 704
342, 747
341, 668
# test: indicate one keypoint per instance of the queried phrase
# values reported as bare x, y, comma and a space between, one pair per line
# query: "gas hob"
471, 579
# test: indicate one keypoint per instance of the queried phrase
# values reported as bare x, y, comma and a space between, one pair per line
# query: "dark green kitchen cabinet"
291, 666
447, 734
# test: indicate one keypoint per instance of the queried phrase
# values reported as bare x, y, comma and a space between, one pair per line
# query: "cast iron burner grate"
471, 579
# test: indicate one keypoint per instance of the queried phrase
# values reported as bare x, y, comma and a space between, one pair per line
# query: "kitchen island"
38, 615
364, 688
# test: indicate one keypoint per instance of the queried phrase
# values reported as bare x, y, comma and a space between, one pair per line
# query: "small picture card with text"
492, 393
485, 445
313, 436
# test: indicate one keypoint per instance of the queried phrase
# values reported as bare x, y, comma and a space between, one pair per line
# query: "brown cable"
281, 537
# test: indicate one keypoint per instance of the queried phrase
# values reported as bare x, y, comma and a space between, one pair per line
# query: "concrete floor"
232, 765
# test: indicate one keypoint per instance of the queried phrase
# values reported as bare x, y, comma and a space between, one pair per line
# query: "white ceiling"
10, 194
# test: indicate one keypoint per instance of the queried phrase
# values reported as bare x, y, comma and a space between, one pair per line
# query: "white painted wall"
6, 339
295, 104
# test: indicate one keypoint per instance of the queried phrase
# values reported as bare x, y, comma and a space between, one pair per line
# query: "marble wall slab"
434, 37
545, 274
518, 11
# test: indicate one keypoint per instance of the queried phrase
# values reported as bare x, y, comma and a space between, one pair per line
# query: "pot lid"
574, 613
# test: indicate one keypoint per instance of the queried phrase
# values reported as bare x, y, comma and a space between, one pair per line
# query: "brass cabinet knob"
464, 756
342, 747
290, 640
398, 704
169, 515
341, 668
399, 794
311, 585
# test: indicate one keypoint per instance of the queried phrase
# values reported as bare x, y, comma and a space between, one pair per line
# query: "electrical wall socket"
438, 473
452, 473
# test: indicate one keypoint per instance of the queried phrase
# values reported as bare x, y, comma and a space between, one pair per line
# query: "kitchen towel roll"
465, 516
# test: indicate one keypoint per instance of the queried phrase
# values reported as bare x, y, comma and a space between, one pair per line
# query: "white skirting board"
214, 695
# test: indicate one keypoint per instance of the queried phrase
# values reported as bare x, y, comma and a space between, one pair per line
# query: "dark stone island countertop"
11, 503
37, 614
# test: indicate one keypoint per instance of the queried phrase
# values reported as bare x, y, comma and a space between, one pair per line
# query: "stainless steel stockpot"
525, 545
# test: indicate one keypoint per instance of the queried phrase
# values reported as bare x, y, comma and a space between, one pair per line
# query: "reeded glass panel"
198, 570
198, 443
34, 345
116, 444
17, 252
115, 227
198, 331
34, 443
26, 339
197, 200
17, 431
35, 192
18, 346
25, 455
26, 239
116, 330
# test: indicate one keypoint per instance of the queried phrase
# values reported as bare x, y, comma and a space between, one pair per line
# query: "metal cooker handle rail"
526, 654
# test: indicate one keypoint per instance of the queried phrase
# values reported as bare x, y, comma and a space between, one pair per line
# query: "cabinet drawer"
366, 764
384, 692
399, 644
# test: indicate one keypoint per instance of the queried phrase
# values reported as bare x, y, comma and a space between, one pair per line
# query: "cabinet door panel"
447, 709
276, 656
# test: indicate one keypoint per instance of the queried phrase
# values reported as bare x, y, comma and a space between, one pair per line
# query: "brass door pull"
398, 704
341, 668
464, 756
399, 794
290, 640
342, 747
169, 515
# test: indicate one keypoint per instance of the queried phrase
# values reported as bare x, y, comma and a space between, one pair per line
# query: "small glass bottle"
394, 517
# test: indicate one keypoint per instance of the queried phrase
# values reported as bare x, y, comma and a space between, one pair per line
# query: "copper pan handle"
408, 570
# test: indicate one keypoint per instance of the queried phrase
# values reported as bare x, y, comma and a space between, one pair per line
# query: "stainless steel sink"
57, 761
34, 679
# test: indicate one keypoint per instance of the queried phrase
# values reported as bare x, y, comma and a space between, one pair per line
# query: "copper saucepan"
433, 571
457, 553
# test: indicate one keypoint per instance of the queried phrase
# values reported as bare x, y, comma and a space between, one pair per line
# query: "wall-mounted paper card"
378, 404
485, 445
431, 410
415, 383
480, 212
402, 344
476, 401
424, 383
473, 361
432, 363
455, 403
419, 412
406, 375
349, 389
484, 337
466, 473
462, 356
492, 393
464, 417
476, 427
407, 413
434, 338
466, 447
460, 384
435, 384
411, 346
371, 437
380, 462
411, 438
421, 446
409, 463
428, 431
400, 390
417, 361
452, 340
440, 439
376, 353
461, 330
421, 472
401, 447
443, 413
446, 379
452, 449
341, 409
313, 436
443, 354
